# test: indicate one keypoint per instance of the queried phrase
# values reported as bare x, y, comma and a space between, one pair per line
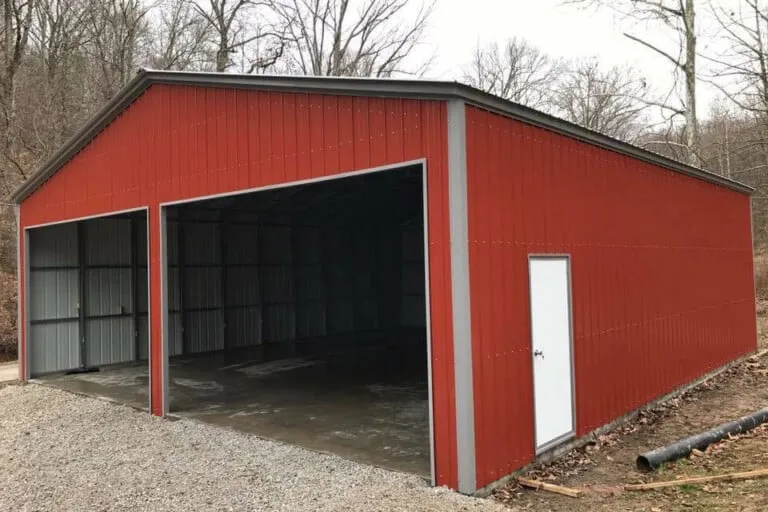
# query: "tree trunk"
693, 139
222, 55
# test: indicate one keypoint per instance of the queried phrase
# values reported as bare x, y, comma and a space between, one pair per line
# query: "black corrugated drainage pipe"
652, 460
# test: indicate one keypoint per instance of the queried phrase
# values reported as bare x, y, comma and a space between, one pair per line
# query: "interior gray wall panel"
108, 292
366, 314
242, 244
54, 246
108, 242
141, 242
309, 244
279, 322
143, 333
201, 286
54, 336
172, 241
242, 301
277, 287
286, 279
276, 244
142, 288
243, 326
202, 244
203, 331
109, 334
54, 347
53, 294
309, 286
110, 340
413, 279
174, 334
174, 293
242, 286
310, 321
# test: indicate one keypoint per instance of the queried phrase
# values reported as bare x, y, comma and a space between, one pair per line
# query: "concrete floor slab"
367, 407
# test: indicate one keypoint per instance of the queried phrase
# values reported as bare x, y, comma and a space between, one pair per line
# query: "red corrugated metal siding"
661, 276
179, 142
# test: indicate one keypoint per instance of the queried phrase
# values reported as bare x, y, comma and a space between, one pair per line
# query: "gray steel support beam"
295, 271
135, 284
223, 257
180, 266
81, 293
260, 266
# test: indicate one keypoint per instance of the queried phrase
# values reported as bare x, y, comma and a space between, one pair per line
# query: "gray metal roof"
414, 89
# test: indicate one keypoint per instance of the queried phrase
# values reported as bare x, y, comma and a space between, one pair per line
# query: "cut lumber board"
557, 489
758, 355
730, 477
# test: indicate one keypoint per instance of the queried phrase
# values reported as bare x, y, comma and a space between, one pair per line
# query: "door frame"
538, 450
24, 328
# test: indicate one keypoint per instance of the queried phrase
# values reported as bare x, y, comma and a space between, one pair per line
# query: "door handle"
538, 353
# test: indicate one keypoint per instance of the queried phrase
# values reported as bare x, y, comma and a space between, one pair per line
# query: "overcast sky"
562, 31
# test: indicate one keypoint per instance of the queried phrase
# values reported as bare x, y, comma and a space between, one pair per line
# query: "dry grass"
8, 316
761, 275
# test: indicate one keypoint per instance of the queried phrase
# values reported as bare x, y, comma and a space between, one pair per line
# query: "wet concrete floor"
369, 407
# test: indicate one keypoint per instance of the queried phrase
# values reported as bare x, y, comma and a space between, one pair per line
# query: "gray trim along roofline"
412, 89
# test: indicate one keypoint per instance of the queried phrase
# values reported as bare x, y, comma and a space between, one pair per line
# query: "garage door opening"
88, 325
300, 314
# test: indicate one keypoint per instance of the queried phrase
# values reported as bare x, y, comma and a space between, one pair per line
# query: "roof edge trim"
412, 89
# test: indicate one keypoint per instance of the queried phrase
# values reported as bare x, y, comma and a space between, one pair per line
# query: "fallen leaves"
606, 461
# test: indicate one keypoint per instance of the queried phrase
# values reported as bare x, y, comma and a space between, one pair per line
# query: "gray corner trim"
462, 329
415, 89
22, 279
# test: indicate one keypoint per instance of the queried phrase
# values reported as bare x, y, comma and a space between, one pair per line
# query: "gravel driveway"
60, 451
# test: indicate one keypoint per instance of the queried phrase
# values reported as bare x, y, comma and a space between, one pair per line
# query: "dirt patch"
603, 466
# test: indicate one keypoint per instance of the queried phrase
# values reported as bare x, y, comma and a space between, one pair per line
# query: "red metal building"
606, 274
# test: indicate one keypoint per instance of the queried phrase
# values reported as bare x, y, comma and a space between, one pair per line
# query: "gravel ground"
60, 451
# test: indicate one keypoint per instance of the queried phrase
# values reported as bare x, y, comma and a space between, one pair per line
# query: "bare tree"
516, 71
16, 24
718, 137
178, 36
238, 25
117, 28
329, 37
55, 74
609, 101
678, 18
743, 64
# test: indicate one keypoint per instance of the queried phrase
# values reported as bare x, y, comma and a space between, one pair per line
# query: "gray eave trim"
412, 89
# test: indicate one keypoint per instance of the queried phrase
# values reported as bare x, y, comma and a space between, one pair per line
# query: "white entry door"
551, 348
